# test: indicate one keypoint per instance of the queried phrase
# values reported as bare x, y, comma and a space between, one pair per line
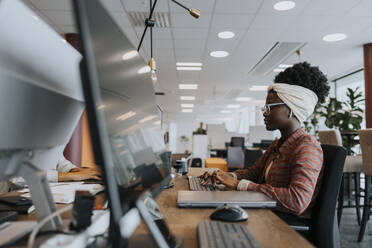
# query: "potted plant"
184, 140
347, 116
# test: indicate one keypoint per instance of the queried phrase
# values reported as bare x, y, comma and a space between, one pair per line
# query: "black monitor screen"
124, 119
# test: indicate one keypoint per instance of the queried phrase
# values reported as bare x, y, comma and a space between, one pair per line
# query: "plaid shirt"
294, 176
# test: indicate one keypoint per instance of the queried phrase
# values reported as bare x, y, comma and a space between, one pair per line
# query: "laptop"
212, 199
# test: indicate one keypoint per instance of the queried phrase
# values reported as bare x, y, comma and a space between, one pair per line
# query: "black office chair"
251, 156
235, 158
322, 228
237, 141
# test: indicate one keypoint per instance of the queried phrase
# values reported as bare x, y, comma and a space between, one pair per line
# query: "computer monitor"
123, 117
40, 99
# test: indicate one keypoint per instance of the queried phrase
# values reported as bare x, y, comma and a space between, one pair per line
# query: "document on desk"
64, 192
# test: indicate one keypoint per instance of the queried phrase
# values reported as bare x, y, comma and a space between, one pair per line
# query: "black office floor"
349, 231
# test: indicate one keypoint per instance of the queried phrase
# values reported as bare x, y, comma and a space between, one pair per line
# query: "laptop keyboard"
194, 183
215, 234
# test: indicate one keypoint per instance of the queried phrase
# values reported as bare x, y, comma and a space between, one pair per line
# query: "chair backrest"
365, 139
251, 156
330, 137
235, 157
237, 141
323, 224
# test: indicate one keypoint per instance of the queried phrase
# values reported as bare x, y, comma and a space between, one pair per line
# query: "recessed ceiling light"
226, 111
278, 69
219, 54
150, 117
226, 35
187, 110
188, 86
125, 116
284, 66
188, 64
233, 106
243, 99
157, 122
334, 37
144, 69
258, 88
187, 98
284, 5
130, 55
188, 68
187, 105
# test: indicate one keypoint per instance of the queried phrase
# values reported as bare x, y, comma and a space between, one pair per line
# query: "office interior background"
216, 69
254, 41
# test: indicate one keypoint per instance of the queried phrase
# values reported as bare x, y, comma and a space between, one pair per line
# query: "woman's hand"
219, 177
79, 174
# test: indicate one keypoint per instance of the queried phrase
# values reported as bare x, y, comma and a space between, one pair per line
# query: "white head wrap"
300, 100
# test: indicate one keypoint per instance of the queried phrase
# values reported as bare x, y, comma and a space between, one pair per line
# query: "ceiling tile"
268, 7
362, 9
144, 5
330, 7
237, 6
237, 21
184, 20
189, 44
189, 54
204, 6
158, 33
190, 34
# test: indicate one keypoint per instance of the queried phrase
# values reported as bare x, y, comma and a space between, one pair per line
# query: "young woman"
290, 169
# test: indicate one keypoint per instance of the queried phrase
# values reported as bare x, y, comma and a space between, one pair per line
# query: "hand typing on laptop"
219, 177
79, 174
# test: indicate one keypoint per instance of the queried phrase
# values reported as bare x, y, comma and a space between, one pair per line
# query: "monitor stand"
149, 211
18, 163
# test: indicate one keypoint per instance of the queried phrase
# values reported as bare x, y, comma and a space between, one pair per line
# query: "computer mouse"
229, 213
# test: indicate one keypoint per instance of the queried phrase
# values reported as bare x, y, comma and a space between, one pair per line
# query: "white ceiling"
257, 26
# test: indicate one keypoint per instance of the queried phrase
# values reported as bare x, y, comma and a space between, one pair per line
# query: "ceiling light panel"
188, 86
219, 54
187, 105
233, 106
187, 110
187, 98
188, 64
284, 5
188, 68
334, 37
226, 35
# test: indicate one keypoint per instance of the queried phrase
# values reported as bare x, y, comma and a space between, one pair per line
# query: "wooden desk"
268, 229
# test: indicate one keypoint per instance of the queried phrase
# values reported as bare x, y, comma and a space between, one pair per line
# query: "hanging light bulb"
154, 78
152, 64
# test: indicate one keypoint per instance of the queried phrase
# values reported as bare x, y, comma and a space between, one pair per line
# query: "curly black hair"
305, 75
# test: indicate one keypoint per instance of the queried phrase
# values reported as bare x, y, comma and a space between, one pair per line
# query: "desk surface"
268, 229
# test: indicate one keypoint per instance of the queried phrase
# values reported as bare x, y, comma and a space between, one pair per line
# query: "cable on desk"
31, 239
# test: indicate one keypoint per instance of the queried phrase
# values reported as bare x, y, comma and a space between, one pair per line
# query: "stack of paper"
64, 192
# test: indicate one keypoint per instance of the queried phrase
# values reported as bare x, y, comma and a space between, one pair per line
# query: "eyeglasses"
266, 107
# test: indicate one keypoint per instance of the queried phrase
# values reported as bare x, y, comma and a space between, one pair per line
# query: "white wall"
178, 129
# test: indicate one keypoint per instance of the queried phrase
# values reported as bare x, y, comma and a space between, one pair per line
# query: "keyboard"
194, 183
216, 234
